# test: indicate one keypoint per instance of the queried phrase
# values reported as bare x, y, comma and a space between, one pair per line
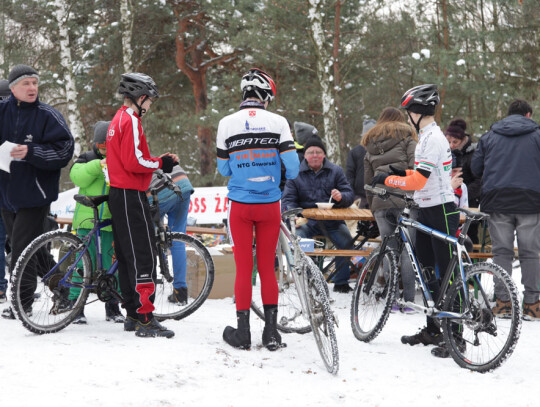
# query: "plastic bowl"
324, 205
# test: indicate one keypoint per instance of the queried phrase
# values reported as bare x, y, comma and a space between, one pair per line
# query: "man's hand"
19, 151
336, 195
379, 179
456, 180
397, 171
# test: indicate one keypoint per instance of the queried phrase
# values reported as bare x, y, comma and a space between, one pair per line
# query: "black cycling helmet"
135, 85
257, 83
5, 92
423, 95
422, 100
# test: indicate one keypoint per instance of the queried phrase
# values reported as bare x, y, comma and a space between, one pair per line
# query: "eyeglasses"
315, 153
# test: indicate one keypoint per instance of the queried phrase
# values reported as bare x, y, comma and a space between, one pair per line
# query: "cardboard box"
224, 275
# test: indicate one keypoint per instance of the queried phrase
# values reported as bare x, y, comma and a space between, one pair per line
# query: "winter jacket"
88, 175
33, 181
474, 183
355, 171
388, 143
311, 187
508, 159
129, 161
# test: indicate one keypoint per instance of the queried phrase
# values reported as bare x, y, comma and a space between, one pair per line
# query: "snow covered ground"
100, 365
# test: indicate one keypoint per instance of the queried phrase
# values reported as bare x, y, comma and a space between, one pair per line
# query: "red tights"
265, 220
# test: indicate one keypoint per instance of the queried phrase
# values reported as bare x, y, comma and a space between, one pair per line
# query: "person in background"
508, 159
5, 93
87, 173
251, 144
43, 146
303, 132
391, 144
461, 193
318, 181
130, 168
354, 169
176, 208
459, 140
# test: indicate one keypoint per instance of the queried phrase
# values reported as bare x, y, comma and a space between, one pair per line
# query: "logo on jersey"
252, 113
248, 128
110, 134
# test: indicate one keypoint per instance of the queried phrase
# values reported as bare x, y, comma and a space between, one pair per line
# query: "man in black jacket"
42, 146
508, 157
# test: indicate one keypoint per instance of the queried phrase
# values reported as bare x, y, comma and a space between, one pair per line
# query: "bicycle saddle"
474, 214
291, 212
91, 201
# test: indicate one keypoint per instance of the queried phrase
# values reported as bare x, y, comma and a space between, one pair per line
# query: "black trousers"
135, 249
22, 227
434, 254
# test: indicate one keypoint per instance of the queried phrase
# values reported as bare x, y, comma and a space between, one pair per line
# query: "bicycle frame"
458, 251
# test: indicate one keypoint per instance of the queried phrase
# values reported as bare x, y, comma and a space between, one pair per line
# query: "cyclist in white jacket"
430, 180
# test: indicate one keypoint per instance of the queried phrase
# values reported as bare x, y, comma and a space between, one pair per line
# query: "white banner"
208, 205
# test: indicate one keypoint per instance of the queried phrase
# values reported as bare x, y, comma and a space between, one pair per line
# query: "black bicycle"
59, 261
477, 338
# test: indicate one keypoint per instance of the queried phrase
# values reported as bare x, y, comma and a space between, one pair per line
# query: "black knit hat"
456, 129
100, 133
4, 89
314, 141
19, 72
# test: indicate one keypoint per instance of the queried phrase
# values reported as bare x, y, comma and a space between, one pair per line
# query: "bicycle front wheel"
49, 289
291, 317
193, 264
320, 315
373, 295
482, 341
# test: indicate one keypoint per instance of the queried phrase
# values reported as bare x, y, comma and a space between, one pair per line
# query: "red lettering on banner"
218, 201
225, 204
190, 206
203, 205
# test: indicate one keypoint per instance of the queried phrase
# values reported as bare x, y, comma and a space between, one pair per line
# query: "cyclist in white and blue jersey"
251, 145
430, 180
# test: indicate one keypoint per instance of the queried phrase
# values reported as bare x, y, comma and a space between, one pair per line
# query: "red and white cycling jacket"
129, 162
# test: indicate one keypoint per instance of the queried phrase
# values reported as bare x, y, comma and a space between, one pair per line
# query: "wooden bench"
197, 230
339, 253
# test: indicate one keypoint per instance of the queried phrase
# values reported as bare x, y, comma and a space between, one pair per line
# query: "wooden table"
338, 214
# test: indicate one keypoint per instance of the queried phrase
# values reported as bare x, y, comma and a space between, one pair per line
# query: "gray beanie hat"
100, 132
367, 125
19, 72
4, 89
303, 132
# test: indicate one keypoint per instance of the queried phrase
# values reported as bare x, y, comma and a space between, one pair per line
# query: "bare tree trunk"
337, 81
73, 116
126, 16
193, 58
324, 62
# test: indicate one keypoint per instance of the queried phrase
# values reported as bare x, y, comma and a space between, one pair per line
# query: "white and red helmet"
259, 83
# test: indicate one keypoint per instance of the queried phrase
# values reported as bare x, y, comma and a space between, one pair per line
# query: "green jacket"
87, 174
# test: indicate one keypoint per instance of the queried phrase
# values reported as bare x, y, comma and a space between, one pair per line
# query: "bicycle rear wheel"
484, 341
373, 295
320, 314
42, 279
290, 317
199, 277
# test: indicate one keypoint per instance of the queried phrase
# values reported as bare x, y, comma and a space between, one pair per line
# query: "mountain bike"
303, 303
476, 338
57, 262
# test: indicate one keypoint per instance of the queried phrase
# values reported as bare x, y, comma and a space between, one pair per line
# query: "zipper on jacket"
41, 189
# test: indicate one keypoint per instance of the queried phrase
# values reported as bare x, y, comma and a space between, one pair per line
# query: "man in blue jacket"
508, 157
317, 181
43, 145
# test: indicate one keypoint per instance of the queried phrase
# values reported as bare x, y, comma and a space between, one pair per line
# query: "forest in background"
335, 62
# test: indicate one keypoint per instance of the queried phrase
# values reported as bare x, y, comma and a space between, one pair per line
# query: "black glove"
397, 171
167, 164
379, 179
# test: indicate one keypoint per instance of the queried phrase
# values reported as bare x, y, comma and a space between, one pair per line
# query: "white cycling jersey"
433, 154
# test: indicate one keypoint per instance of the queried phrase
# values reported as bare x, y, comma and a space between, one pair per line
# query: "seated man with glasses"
317, 181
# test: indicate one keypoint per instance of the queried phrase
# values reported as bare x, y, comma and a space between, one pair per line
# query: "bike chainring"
106, 287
